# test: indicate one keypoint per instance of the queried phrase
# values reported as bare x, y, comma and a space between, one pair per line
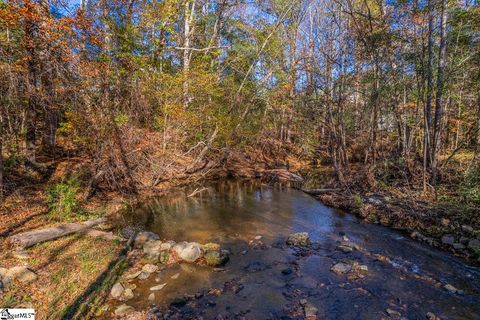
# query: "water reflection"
233, 213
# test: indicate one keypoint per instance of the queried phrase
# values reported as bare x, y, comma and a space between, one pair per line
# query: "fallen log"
282, 175
317, 192
103, 235
31, 238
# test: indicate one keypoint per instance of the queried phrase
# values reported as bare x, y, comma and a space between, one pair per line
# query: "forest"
374, 103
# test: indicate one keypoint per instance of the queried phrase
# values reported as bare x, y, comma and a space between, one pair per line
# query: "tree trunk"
189, 15
33, 84
1, 163
437, 133
50, 131
428, 104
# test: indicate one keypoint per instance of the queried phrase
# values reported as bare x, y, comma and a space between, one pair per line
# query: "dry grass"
66, 268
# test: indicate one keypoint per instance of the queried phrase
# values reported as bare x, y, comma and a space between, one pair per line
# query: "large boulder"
301, 239
143, 237
188, 251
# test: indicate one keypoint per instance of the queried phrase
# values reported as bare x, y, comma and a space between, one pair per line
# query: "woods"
210, 133
145, 90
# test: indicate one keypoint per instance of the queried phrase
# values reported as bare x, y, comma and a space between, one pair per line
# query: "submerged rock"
158, 288
345, 249
393, 313
151, 297
432, 316
341, 268
287, 271
474, 244
301, 239
448, 239
188, 251
452, 289
310, 311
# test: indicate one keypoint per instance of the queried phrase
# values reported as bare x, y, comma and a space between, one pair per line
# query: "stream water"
265, 279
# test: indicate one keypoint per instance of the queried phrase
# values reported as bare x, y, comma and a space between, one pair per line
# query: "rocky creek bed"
276, 253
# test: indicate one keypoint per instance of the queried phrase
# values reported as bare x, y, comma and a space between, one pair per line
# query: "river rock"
144, 275
467, 228
341, 268
452, 289
445, 222
474, 244
158, 288
448, 239
124, 310
152, 249
143, 237
393, 313
167, 245
22, 274
310, 311
301, 239
150, 268
188, 251
215, 258
165, 257
345, 249
5, 280
133, 275
458, 246
151, 297
117, 290
463, 240
128, 294
432, 316
363, 268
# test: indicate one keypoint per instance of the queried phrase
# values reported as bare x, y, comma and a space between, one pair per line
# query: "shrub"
470, 187
62, 199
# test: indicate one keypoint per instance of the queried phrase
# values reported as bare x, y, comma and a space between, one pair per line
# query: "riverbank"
438, 219
75, 257
53, 195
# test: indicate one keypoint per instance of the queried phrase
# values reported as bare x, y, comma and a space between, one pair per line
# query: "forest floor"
70, 267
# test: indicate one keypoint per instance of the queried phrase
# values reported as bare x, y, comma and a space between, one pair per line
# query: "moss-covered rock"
216, 258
